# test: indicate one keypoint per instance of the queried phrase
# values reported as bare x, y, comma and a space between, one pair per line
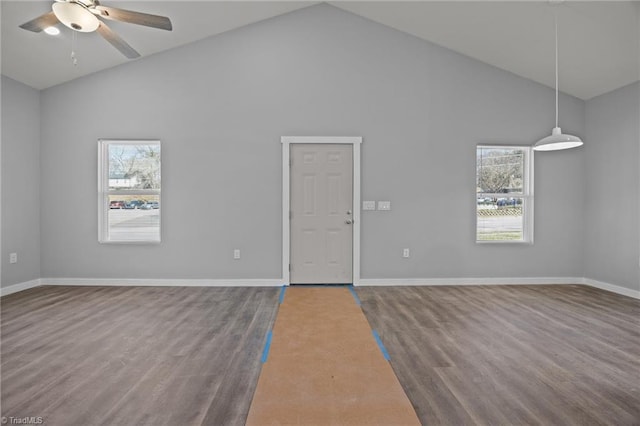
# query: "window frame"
527, 195
104, 192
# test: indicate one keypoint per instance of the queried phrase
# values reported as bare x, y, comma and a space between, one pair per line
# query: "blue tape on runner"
267, 346
320, 285
282, 294
385, 354
355, 295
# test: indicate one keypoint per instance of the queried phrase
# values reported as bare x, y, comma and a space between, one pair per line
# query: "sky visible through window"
134, 166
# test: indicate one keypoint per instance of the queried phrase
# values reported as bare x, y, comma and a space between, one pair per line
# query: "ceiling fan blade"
154, 21
117, 42
40, 23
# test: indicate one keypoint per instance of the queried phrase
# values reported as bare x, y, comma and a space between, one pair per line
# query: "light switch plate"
236, 254
368, 205
13, 258
384, 205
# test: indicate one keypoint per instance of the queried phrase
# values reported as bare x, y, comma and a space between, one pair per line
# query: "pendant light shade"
557, 140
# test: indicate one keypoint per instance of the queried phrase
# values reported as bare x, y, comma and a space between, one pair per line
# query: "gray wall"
220, 106
20, 182
612, 185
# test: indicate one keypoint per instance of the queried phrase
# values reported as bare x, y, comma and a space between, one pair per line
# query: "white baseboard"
150, 282
19, 287
612, 288
468, 281
498, 281
278, 283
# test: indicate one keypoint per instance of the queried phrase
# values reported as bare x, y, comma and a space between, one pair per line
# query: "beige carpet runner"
323, 366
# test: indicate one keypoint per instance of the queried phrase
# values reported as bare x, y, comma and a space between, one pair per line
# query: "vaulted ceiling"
599, 40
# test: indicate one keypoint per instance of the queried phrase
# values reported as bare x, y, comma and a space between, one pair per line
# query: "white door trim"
286, 241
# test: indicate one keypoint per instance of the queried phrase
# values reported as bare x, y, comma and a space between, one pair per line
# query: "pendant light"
557, 140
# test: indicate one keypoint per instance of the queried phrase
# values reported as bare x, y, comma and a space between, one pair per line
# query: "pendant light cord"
555, 15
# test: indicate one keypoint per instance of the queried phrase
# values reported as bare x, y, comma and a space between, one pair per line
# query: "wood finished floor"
512, 355
503, 355
133, 355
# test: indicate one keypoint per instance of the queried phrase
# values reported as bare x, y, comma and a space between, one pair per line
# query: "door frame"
286, 141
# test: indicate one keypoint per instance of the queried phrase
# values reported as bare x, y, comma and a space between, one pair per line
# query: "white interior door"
321, 219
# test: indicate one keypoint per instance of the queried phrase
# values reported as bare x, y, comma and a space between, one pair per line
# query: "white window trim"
286, 243
527, 195
104, 192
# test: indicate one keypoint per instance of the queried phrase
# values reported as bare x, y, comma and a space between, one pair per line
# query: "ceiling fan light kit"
76, 16
82, 16
52, 31
557, 141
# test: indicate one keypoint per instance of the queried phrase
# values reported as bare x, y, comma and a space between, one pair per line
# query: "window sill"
131, 242
505, 242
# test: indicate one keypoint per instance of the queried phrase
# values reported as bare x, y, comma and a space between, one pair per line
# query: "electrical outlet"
406, 253
13, 258
236, 254
384, 205
368, 205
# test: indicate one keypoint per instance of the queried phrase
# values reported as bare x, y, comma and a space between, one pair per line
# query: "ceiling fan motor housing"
76, 15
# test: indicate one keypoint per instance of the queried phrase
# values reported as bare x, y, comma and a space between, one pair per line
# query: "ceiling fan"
82, 15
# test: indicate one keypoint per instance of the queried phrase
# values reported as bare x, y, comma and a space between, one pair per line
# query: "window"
129, 191
504, 194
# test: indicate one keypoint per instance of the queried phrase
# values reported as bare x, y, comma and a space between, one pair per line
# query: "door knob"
348, 222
